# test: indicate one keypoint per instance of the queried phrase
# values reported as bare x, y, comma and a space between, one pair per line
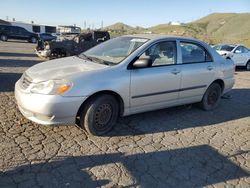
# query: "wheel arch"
248, 61
108, 92
220, 82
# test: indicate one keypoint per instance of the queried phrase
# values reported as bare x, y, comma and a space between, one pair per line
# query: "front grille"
26, 81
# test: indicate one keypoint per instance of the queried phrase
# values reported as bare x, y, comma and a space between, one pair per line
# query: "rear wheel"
99, 114
4, 38
212, 97
248, 66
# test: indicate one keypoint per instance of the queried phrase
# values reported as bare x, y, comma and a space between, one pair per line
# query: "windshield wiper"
83, 56
101, 61
95, 59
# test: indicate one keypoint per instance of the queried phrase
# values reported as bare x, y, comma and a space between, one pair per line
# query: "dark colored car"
70, 47
15, 32
46, 37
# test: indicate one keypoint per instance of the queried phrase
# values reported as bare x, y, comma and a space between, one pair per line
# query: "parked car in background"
124, 76
238, 53
47, 37
15, 32
69, 47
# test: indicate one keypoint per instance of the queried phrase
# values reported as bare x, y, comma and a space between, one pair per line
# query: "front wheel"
99, 114
212, 97
248, 66
4, 38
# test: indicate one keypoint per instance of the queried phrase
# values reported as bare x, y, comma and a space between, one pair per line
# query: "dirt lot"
177, 147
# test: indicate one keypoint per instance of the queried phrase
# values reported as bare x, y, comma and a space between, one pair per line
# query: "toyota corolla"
124, 76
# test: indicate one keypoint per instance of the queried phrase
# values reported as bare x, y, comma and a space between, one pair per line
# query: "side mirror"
237, 51
142, 63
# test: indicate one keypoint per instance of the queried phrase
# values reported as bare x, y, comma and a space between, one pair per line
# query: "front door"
239, 56
156, 86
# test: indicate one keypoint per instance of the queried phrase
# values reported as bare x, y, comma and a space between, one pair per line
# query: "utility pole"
102, 25
85, 24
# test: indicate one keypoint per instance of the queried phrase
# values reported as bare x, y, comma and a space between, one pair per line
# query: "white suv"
238, 53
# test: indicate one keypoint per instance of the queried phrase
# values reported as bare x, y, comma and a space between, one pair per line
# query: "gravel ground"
177, 147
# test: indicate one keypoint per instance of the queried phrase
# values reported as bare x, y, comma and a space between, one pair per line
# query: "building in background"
174, 23
32, 27
68, 29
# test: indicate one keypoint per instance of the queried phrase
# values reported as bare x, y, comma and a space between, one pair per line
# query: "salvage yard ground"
176, 147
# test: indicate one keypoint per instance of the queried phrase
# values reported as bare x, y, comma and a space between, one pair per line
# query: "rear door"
24, 34
198, 71
156, 86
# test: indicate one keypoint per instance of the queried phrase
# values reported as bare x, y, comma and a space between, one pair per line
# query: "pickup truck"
69, 47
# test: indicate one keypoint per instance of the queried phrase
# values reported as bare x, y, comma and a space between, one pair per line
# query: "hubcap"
3, 38
103, 116
248, 66
212, 98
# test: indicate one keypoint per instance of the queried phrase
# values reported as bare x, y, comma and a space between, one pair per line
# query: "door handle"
175, 71
210, 67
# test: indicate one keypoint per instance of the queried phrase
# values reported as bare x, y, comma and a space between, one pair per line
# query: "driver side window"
162, 53
244, 50
239, 49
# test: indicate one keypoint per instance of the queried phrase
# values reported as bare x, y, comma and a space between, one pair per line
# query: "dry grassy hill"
214, 28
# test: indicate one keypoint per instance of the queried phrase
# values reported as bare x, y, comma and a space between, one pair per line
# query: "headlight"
47, 47
52, 87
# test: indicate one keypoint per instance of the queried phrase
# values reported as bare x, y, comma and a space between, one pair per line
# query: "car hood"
61, 68
222, 52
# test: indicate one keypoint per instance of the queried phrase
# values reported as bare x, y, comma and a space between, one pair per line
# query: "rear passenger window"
194, 53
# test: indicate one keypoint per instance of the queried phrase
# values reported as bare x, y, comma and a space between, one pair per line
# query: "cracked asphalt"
177, 147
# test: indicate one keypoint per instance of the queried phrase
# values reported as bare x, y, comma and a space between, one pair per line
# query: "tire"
33, 40
4, 38
248, 66
54, 54
58, 53
99, 115
212, 97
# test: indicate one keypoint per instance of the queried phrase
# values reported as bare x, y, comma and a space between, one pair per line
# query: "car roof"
161, 36
233, 45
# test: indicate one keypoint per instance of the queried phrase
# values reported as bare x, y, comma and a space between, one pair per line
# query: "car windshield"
113, 51
228, 48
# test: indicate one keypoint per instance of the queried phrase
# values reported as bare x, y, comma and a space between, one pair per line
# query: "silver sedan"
124, 76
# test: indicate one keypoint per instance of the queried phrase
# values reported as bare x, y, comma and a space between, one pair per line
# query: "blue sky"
133, 12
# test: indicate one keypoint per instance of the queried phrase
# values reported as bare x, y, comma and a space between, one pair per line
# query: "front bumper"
43, 53
47, 109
